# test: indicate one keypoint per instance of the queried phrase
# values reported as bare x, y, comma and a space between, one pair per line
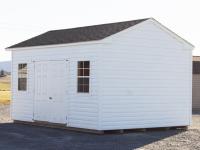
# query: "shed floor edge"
93, 131
58, 126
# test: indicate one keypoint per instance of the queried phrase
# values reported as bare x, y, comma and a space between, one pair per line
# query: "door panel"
50, 91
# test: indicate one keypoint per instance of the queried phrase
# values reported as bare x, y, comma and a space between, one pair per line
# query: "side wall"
146, 80
196, 92
83, 109
196, 87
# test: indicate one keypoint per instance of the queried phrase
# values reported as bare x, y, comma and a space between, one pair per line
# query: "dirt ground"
5, 113
23, 137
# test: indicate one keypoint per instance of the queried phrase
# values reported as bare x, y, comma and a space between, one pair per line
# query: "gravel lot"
23, 137
4, 113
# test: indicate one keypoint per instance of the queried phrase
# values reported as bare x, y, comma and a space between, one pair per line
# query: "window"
196, 67
22, 77
83, 76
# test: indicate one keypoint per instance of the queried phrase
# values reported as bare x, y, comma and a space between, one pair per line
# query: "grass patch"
5, 94
5, 83
5, 97
4, 86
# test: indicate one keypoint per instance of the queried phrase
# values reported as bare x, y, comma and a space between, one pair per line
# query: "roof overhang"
172, 34
56, 45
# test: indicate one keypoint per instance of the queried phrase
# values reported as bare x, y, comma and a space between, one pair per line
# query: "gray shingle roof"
81, 34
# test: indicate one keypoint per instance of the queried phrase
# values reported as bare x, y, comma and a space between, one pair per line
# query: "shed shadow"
19, 136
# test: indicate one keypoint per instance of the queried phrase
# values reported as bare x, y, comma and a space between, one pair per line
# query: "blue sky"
23, 19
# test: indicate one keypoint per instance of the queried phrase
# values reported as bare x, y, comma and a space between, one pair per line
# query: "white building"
127, 75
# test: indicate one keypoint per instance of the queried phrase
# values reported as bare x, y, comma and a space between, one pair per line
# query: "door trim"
67, 97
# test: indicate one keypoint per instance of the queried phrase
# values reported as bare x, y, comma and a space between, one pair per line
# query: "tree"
2, 73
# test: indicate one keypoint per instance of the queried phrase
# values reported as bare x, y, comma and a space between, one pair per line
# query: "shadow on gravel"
23, 137
197, 112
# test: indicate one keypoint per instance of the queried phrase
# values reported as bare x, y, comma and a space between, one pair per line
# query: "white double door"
50, 100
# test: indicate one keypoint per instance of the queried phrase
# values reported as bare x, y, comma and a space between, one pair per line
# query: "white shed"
125, 75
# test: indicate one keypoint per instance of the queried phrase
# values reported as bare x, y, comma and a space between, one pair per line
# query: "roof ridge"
109, 23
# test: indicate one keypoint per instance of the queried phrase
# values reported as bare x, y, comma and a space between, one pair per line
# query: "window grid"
83, 76
22, 77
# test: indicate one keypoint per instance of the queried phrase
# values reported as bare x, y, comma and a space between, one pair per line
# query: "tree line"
3, 73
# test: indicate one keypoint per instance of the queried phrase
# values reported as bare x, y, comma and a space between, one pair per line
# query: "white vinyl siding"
145, 80
139, 78
82, 108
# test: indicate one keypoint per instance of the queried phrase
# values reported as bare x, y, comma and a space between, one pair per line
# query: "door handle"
50, 98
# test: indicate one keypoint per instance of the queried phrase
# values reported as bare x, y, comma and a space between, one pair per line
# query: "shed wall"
140, 78
82, 109
146, 80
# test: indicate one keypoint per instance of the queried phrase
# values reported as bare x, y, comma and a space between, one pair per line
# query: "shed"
125, 75
196, 84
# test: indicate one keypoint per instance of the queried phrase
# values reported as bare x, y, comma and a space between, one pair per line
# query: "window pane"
22, 77
86, 72
86, 64
22, 84
80, 88
19, 67
80, 64
86, 88
80, 81
22, 66
86, 81
83, 76
80, 72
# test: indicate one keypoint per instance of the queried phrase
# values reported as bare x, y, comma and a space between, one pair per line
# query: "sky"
22, 19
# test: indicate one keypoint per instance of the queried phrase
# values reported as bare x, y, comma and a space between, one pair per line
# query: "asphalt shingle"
80, 34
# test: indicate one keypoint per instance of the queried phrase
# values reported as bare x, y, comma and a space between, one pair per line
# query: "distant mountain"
5, 65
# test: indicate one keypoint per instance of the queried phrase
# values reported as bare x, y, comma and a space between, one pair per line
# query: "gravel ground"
23, 137
5, 113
